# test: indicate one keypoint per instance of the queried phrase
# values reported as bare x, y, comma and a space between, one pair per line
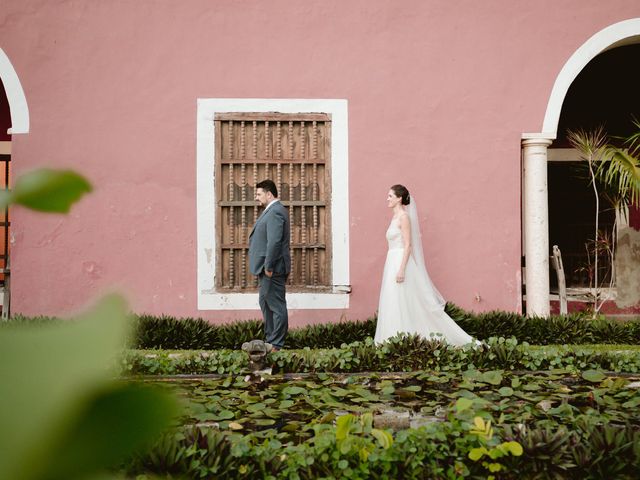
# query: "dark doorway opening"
604, 93
5, 162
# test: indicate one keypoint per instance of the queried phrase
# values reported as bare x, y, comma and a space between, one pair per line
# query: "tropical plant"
616, 172
623, 168
590, 146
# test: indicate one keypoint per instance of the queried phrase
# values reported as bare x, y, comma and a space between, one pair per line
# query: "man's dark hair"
268, 186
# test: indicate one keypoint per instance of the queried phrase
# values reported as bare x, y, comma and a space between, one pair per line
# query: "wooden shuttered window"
293, 150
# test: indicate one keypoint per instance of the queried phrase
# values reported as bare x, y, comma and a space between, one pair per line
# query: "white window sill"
295, 301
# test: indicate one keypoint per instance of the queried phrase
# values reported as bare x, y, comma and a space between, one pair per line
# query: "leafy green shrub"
330, 335
456, 448
18, 320
401, 353
187, 363
171, 333
63, 413
197, 334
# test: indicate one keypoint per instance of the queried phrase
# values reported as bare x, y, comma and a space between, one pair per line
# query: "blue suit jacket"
269, 242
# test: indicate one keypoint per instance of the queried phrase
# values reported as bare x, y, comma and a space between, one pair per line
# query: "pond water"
289, 406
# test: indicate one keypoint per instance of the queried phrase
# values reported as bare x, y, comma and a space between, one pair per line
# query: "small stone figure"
257, 351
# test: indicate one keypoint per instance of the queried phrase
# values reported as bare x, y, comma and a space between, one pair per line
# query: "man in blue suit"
270, 261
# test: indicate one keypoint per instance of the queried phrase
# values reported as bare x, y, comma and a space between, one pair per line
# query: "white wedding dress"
413, 306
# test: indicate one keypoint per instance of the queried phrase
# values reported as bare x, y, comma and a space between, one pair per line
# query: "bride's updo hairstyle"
402, 192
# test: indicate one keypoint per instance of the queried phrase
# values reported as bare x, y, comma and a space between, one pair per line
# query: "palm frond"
632, 142
622, 171
589, 144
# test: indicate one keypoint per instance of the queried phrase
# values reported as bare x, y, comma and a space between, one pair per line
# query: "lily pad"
463, 404
256, 407
285, 404
594, 376
413, 388
505, 391
222, 415
293, 390
265, 422
492, 377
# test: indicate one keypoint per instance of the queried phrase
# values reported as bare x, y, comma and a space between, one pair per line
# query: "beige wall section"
628, 268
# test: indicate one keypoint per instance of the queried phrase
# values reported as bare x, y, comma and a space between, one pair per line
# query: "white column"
536, 224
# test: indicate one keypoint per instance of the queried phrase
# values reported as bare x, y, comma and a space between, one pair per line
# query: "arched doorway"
14, 119
535, 165
5, 162
603, 94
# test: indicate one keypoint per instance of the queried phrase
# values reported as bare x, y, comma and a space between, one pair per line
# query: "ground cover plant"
553, 424
413, 408
402, 353
294, 405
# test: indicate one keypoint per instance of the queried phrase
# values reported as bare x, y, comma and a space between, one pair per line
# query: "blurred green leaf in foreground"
46, 190
63, 414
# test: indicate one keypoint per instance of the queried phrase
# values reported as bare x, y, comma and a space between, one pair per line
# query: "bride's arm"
405, 228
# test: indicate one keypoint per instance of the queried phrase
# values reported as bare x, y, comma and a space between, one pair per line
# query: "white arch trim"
618, 34
15, 95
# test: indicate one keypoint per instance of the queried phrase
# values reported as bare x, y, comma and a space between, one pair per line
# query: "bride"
409, 302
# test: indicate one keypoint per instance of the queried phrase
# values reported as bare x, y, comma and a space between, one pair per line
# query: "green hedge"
197, 334
170, 333
403, 353
556, 329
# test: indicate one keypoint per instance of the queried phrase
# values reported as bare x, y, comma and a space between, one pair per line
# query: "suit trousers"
273, 304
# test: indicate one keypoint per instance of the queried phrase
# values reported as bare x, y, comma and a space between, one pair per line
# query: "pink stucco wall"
439, 94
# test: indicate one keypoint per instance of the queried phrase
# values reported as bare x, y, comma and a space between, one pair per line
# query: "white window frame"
208, 297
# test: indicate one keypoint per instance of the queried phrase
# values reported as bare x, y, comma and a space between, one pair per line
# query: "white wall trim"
208, 298
618, 34
563, 155
15, 95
